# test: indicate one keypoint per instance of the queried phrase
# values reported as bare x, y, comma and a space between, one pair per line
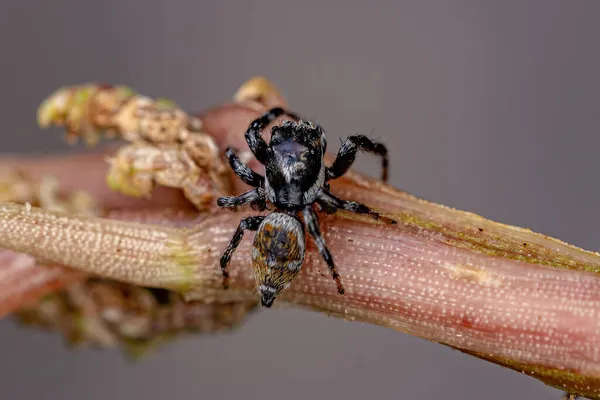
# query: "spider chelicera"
296, 178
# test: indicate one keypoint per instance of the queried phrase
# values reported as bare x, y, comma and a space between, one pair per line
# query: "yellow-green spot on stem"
183, 257
412, 219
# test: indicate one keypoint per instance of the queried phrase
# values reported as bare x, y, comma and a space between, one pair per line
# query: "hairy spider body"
295, 170
295, 178
277, 254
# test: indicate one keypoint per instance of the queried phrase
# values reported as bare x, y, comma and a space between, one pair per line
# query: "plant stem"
500, 293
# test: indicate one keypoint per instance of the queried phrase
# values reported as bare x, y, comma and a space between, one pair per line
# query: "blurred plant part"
17, 187
90, 310
22, 279
257, 93
167, 147
89, 111
104, 313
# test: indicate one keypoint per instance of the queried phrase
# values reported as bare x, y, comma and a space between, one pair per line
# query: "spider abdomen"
277, 254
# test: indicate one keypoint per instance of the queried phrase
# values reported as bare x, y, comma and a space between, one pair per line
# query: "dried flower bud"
168, 147
137, 168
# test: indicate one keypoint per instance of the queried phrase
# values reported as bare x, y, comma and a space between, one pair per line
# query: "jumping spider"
296, 177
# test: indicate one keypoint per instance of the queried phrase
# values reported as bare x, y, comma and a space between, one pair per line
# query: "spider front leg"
250, 224
312, 222
256, 197
347, 154
330, 202
246, 174
255, 141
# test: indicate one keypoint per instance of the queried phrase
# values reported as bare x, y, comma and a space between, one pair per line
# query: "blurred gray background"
487, 106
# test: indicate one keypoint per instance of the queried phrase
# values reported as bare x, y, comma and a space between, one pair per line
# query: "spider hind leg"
312, 222
250, 224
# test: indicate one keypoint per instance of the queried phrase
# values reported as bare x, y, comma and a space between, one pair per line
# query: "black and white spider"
296, 178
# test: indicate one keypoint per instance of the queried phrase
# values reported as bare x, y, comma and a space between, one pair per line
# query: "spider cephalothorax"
296, 178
